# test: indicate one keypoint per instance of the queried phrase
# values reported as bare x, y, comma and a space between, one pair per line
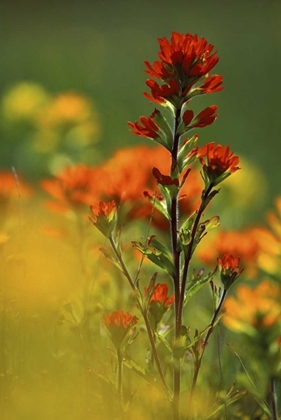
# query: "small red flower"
103, 209
164, 179
218, 162
188, 51
159, 302
104, 216
188, 116
73, 188
160, 295
229, 269
183, 62
212, 84
160, 94
118, 325
205, 117
148, 128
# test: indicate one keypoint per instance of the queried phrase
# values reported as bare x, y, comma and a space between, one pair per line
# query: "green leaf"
183, 156
150, 290
111, 257
225, 400
102, 376
156, 256
165, 129
196, 283
159, 205
205, 227
165, 342
141, 371
160, 247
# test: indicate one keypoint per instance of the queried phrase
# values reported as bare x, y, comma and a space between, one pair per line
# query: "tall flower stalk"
182, 74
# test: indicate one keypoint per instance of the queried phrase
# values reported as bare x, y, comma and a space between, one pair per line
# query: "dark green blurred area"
97, 48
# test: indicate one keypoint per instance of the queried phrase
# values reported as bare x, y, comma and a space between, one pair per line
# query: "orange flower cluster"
256, 312
219, 163
229, 269
185, 60
118, 324
123, 178
159, 302
73, 188
104, 217
121, 319
254, 309
244, 243
160, 295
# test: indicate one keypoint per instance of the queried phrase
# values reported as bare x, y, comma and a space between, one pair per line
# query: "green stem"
119, 376
176, 278
204, 345
274, 406
189, 253
144, 314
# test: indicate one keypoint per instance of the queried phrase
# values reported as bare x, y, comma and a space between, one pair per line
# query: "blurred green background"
97, 49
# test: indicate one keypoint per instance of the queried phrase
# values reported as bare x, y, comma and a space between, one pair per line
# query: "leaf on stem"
196, 283
157, 253
159, 204
111, 257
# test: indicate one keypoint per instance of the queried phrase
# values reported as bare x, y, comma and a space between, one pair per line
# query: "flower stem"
204, 345
274, 406
188, 256
176, 278
120, 376
144, 314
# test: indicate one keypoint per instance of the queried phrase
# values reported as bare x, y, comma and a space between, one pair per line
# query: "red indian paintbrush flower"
160, 295
164, 179
218, 162
212, 84
118, 324
229, 269
159, 302
148, 128
155, 127
185, 60
204, 118
104, 217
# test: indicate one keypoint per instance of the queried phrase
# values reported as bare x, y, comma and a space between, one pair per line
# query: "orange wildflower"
148, 129
256, 312
118, 324
104, 216
159, 302
229, 269
129, 173
185, 60
160, 295
205, 117
243, 243
218, 162
73, 188
254, 309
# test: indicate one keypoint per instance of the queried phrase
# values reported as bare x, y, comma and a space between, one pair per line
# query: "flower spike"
218, 163
104, 217
184, 61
